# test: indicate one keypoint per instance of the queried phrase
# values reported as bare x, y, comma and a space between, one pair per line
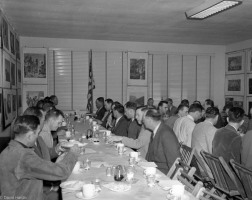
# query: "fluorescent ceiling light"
211, 7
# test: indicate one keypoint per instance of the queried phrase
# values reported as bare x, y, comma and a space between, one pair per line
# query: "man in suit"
171, 108
121, 124
164, 145
100, 108
130, 112
108, 106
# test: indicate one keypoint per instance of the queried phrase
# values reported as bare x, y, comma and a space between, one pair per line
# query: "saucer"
80, 195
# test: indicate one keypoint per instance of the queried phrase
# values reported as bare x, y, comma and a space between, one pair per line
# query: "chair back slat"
186, 154
245, 176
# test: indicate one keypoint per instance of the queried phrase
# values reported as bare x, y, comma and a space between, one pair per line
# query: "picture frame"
1, 107
19, 102
235, 63
138, 95
234, 85
34, 66
249, 85
249, 69
32, 94
13, 74
236, 101
14, 104
12, 42
137, 69
17, 46
5, 34
6, 70
7, 102
19, 74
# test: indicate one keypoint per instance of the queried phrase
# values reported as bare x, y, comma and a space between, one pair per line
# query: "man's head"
195, 110
54, 99
151, 118
108, 104
212, 114
227, 107
163, 107
208, 103
182, 110
40, 103
140, 113
99, 102
130, 109
26, 129
118, 111
116, 103
53, 119
48, 106
150, 102
35, 111
170, 102
185, 102
235, 116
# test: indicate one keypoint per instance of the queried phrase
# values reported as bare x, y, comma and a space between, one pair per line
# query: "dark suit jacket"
133, 129
100, 113
164, 148
121, 127
104, 121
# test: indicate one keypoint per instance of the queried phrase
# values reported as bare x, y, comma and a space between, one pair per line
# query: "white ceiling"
127, 20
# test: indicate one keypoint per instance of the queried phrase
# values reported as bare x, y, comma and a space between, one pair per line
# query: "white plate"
118, 187
72, 185
80, 196
167, 184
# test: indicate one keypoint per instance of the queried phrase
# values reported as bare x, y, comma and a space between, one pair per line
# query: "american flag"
91, 85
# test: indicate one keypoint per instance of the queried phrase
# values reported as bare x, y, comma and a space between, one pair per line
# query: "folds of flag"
91, 85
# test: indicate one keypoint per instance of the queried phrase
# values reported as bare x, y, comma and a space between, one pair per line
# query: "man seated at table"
162, 108
121, 124
53, 121
171, 108
100, 108
111, 119
108, 106
22, 171
164, 145
150, 103
141, 144
182, 111
133, 127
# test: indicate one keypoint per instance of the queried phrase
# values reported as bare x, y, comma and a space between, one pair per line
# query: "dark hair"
53, 114
209, 102
181, 107
212, 112
110, 101
161, 103
169, 100
195, 107
119, 108
48, 106
197, 102
100, 99
46, 99
228, 106
236, 114
40, 103
151, 99
116, 103
35, 111
25, 123
185, 102
153, 114
52, 97
131, 105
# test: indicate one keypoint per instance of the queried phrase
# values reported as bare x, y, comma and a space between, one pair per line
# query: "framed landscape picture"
249, 85
32, 94
234, 85
235, 63
137, 95
5, 34
236, 101
18, 79
13, 74
7, 102
19, 102
34, 66
137, 68
6, 70
12, 43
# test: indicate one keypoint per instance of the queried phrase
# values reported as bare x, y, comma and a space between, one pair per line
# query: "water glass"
151, 180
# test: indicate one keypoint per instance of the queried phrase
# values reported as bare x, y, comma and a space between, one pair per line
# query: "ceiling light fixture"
210, 8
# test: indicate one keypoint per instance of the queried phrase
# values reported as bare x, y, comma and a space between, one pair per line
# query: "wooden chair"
245, 176
224, 178
186, 154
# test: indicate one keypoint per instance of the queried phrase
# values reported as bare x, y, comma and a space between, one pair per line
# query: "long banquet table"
107, 153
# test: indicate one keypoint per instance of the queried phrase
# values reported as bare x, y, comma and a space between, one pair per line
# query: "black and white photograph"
137, 68
137, 95
7, 100
234, 85
6, 70
236, 101
235, 63
13, 74
249, 85
5, 34
12, 43
35, 66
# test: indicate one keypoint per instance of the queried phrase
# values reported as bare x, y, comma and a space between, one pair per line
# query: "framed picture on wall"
19, 102
235, 63
234, 85
32, 94
17, 46
6, 70
250, 61
12, 43
18, 79
13, 73
137, 68
34, 67
249, 85
137, 95
7, 102
1, 111
14, 103
5, 34
236, 101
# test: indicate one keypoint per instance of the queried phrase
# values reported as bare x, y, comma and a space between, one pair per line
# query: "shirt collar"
155, 130
190, 117
233, 127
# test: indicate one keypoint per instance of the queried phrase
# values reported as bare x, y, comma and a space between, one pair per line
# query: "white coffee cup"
177, 190
120, 148
88, 190
108, 133
150, 171
134, 155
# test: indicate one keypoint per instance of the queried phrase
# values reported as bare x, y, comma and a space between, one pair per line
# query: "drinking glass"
119, 173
